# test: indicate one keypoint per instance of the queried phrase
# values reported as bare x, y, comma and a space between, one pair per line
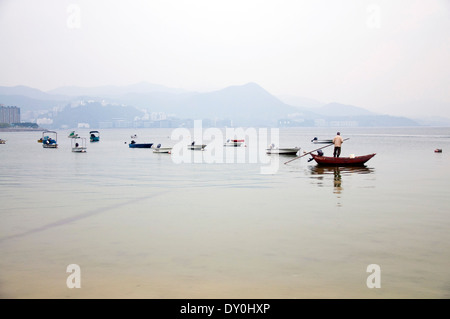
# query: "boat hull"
167, 150
79, 149
317, 141
342, 161
140, 145
231, 144
197, 147
50, 145
283, 151
234, 143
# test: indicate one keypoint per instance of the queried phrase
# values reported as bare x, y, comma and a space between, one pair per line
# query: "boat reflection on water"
322, 174
346, 170
337, 180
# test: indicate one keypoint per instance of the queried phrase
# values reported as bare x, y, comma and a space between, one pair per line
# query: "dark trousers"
337, 151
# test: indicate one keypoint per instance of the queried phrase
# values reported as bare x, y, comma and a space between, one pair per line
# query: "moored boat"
234, 143
49, 139
79, 145
2, 141
73, 135
342, 161
133, 144
282, 151
164, 150
315, 140
94, 136
159, 149
196, 147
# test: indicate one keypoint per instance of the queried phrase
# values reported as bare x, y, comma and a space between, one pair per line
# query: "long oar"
312, 151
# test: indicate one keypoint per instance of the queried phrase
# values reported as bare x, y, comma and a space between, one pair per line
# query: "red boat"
342, 161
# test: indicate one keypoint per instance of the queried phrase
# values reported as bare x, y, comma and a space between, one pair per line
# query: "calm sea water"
142, 225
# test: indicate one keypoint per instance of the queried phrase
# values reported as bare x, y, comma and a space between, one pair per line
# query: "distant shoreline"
21, 129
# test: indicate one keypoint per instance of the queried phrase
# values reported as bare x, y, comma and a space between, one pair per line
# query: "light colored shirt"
337, 141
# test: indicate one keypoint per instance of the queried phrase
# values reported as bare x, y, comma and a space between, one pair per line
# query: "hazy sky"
389, 56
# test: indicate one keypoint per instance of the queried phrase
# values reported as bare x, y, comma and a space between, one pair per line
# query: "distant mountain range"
241, 105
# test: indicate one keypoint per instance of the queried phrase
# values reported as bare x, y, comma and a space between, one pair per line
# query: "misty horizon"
386, 57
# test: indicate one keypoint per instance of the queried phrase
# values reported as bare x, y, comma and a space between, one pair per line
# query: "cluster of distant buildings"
161, 123
10, 118
9, 114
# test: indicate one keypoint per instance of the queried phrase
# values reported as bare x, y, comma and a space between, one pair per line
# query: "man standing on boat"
337, 141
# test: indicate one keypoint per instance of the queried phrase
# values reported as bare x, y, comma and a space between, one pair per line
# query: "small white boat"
315, 140
284, 151
234, 143
79, 145
2, 141
163, 150
159, 149
196, 147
